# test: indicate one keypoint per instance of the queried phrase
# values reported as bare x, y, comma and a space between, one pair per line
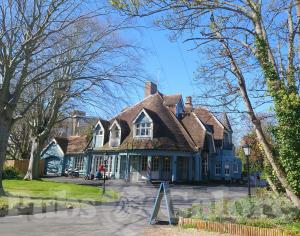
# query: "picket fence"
234, 229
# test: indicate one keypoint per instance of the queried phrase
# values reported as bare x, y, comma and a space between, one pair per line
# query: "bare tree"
29, 32
19, 141
252, 46
103, 61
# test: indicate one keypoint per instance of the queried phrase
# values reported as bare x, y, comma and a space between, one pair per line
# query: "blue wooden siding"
54, 159
225, 157
52, 150
56, 162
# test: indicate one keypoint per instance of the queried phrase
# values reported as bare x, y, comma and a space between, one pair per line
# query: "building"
163, 138
65, 153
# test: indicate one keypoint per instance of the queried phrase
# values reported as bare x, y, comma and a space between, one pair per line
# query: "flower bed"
265, 211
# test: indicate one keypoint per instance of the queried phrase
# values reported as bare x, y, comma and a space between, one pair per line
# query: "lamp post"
105, 164
247, 150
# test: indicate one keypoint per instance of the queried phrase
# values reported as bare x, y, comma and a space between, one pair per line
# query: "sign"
164, 191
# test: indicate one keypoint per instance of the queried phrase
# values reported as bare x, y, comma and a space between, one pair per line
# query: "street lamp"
105, 164
247, 150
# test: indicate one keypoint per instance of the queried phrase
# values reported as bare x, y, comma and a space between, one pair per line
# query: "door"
155, 168
53, 166
122, 167
166, 168
134, 168
182, 169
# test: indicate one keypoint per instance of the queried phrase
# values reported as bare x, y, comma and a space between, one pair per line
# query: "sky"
171, 65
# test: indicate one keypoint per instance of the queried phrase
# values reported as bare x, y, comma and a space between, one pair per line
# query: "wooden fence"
234, 229
22, 165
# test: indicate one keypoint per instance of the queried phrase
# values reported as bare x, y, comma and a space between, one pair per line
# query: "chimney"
188, 104
150, 88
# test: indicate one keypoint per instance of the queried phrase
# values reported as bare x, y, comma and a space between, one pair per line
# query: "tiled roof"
168, 133
72, 144
225, 122
208, 118
195, 128
184, 133
171, 100
62, 142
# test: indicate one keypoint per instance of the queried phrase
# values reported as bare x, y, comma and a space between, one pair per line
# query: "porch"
141, 167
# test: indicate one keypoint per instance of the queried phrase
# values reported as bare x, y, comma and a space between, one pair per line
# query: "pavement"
128, 216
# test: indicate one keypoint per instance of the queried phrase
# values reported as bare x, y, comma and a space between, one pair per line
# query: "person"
100, 171
101, 168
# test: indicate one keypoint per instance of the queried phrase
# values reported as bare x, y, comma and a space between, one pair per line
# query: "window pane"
143, 129
138, 132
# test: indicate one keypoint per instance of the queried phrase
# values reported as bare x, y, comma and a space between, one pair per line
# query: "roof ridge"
172, 94
213, 115
132, 106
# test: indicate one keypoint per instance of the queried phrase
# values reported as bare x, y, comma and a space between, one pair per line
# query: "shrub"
11, 173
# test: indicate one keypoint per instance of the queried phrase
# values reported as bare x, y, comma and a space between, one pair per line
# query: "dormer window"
143, 125
143, 129
98, 135
115, 134
99, 132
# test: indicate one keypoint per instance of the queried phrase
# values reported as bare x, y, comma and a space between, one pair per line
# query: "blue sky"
169, 64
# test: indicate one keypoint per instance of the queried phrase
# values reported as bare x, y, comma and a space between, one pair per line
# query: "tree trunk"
33, 167
279, 173
4, 137
272, 185
258, 129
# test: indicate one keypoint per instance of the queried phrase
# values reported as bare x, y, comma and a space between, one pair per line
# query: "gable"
142, 119
53, 149
208, 118
195, 129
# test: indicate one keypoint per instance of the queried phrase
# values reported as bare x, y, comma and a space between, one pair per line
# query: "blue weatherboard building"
66, 153
159, 138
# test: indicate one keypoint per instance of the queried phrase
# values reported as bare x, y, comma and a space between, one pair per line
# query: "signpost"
164, 191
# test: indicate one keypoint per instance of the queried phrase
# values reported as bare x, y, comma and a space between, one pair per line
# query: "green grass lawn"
48, 190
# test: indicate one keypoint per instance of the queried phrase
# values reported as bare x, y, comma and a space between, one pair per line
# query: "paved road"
129, 216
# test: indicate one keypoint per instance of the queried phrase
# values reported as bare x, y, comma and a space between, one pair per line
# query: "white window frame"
118, 137
101, 130
227, 167
139, 127
218, 166
79, 163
